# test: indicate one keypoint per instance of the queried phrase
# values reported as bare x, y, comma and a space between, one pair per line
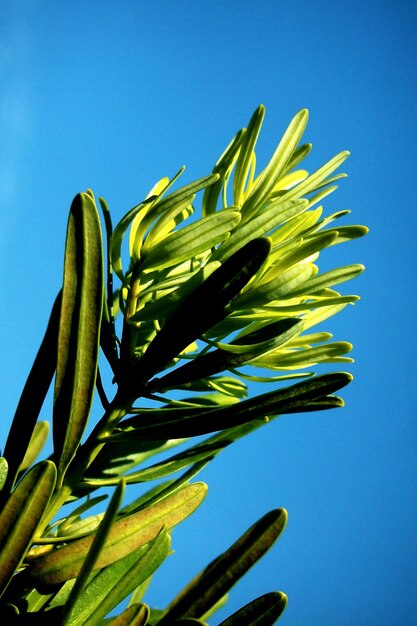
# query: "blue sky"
113, 96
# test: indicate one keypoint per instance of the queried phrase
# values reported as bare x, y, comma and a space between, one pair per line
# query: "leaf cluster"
189, 315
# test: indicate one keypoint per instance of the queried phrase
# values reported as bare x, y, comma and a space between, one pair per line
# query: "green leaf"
32, 398
74, 516
276, 166
127, 534
115, 582
327, 402
3, 471
37, 441
204, 307
165, 306
186, 243
167, 222
222, 170
328, 353
275, 289
264, 611
177, 197
249, 139
79, 329
21, 515
277, 213
268, 338
222, 574
134, 615
203, 451
328, 279
119, 232
74, 600
268, 404
317, 178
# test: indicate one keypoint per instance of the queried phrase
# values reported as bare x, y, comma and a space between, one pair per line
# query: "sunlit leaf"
127, 534
21, 516
79, 329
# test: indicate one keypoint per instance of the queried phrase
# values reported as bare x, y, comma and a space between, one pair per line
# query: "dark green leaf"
257, 343
268, 404
33, 396
203, 308
264, 611
217, 578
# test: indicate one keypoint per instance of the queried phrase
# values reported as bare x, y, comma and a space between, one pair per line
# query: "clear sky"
113, 96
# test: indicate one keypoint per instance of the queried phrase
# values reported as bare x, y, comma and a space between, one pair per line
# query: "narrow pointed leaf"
328, 279
126, 535
93, 553
79, 329
191, 240
268, 404
21, 516
37, 441
218, 578
304, 357
276, 214
274, 289
250, 137
222, 167
165, 306
317, 178
178, 196
218, 360
205, 450
33, 396
264, 611
276, 166
115, 582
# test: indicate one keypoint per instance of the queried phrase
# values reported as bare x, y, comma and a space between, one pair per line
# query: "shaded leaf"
33, 396
134, 615
272, 403
259, 342
204, 307
264, 611
218, 578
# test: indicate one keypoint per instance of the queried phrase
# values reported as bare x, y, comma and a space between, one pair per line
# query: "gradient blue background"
113, 95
